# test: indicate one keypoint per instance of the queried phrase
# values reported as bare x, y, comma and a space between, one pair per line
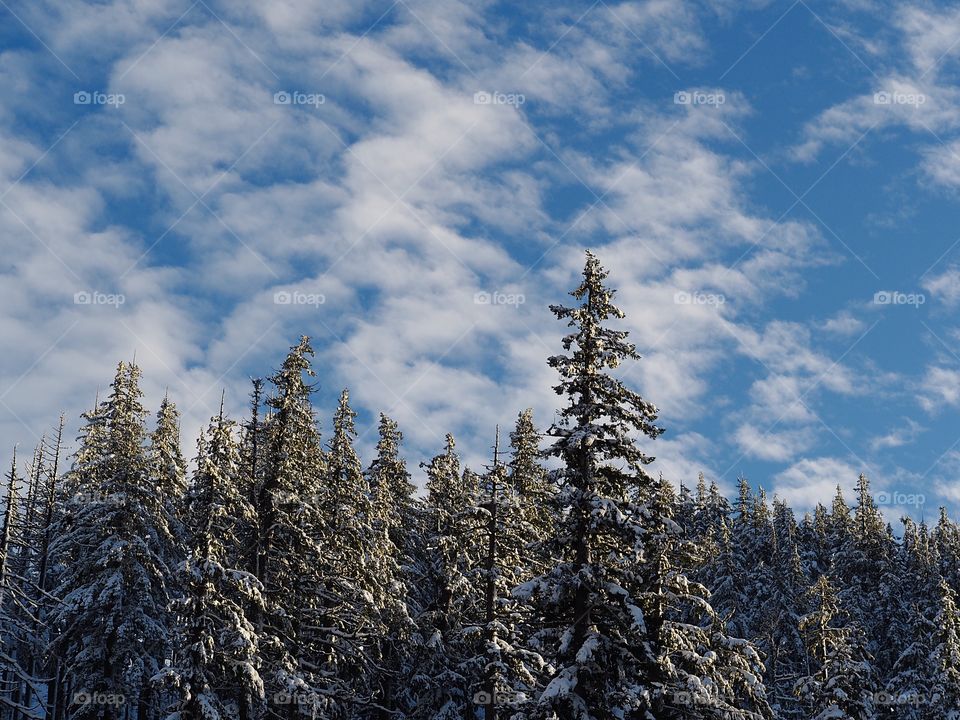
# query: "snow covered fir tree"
277, 575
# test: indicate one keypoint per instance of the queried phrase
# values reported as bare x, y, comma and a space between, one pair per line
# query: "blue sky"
773, 186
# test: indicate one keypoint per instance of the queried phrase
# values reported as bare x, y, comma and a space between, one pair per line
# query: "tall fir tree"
394, 528
112, 573
614, 607
216, 668
447, 592
361, 572
169, 473
534, 495
944, 662
842, 684
294, 627
393, 494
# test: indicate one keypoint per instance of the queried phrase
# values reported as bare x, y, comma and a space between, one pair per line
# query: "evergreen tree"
944, 662
43, 663
169, 471
394, 529
535, 499
112, 574
912, 613
842, 684
615, 611
252, 475
295, 626
392, 492
362, 572
217, 665
782, 607
860, 561
448, 591
505, 671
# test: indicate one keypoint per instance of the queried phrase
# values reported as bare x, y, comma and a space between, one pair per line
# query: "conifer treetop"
601, 410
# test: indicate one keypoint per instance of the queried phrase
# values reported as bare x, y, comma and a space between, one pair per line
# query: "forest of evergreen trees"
277, 576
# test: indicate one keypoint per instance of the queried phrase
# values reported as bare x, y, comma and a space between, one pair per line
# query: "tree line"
276, 576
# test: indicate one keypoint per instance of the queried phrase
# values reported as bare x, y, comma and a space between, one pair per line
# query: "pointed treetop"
592, 284
601, 412
297, 359
344, 416
839, 504
390, 434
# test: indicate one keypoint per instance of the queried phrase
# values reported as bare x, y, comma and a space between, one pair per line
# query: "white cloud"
843, 324
906, 92
945, 287
680, 460
772, 444
905, 434
929, 36
815, 480
945, 473
939, 387
941, 164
